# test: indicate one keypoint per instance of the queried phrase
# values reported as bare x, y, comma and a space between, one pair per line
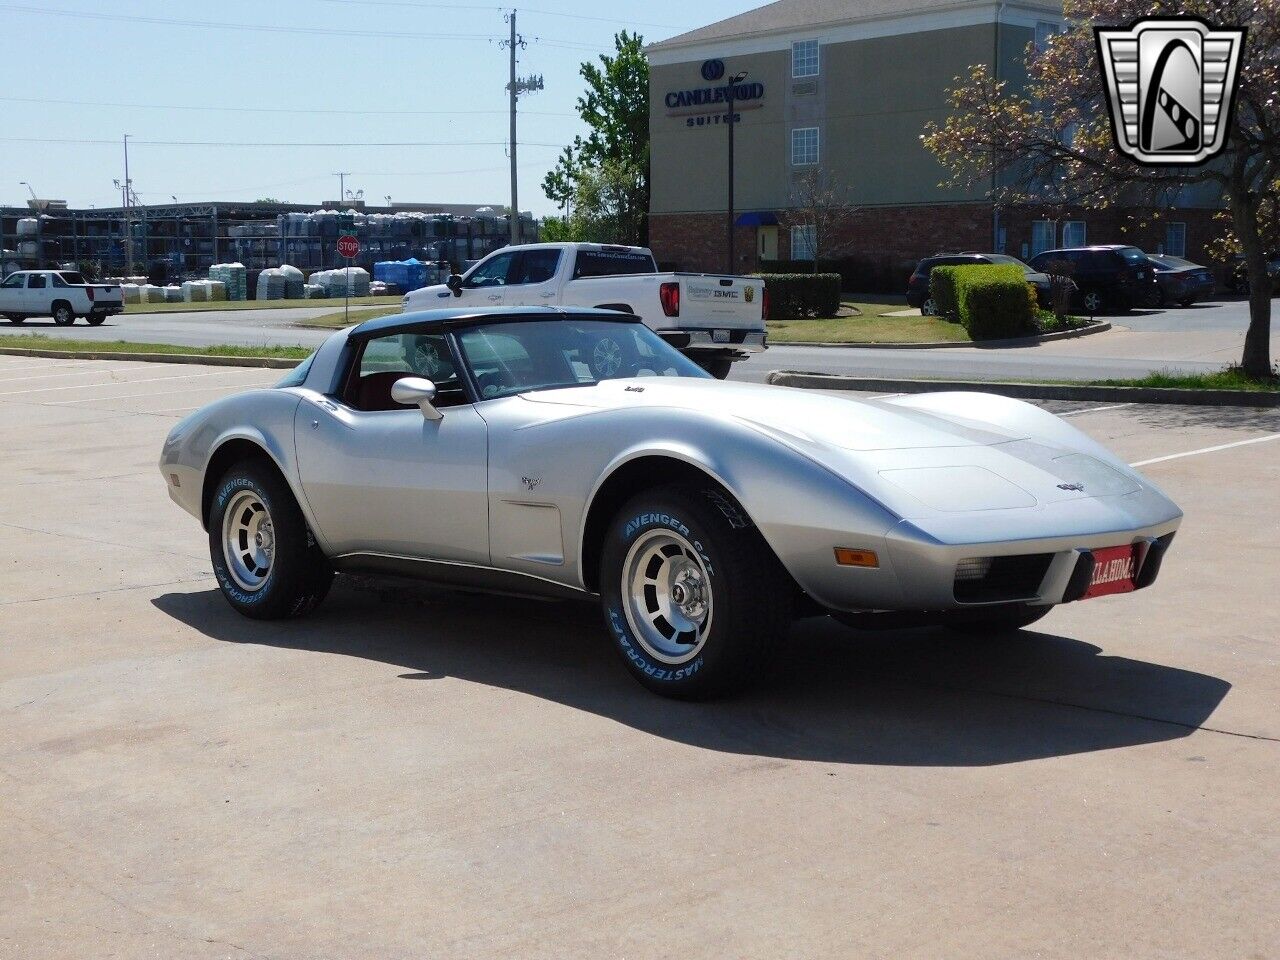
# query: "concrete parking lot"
440, 775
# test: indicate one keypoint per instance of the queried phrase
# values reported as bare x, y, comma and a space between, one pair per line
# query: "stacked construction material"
271, 285
129, 293
293, 282
347, 281
172, 294
217, 289
235, 276
150, 293
313, 291
411, 274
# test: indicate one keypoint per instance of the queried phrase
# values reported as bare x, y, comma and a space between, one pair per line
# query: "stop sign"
348, 246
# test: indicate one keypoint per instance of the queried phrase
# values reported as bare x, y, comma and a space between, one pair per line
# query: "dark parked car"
1239, 274
1181, 281
918, 284
1108, 276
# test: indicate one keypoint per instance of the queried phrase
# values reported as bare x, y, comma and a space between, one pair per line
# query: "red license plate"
1114, 570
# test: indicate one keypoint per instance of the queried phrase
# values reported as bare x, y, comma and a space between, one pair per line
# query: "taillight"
764, 304
669, 294
91, 294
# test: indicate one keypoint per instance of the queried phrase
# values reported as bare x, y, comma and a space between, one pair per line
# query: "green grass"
257, 304
338, 318
1232, 378
868, 326
38, 341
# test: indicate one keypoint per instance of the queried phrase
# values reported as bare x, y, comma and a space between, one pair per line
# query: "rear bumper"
741, 342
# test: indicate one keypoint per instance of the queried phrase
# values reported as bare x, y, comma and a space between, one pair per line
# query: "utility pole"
733, 82
128, 227
342, 183
515, 87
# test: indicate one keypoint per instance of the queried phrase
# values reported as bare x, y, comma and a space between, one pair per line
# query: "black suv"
918, 283
1108, 277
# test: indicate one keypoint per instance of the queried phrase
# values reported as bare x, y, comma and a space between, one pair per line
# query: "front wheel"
692, 596
717, 366
63, 315
266, 561
993, 623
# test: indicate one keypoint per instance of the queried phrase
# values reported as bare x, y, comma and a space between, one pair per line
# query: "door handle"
548, 295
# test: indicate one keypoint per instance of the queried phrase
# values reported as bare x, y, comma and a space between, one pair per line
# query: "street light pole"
128, 227
733, 82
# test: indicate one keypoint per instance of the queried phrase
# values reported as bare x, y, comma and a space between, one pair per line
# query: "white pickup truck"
61, 294
714, 319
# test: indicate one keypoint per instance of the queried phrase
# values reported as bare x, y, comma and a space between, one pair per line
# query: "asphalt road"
436, 775
1200, 338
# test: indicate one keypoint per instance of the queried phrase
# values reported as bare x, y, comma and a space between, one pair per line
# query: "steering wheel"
490, 384
609, 357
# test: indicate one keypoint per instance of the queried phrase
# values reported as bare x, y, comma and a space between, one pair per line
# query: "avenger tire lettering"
693, 599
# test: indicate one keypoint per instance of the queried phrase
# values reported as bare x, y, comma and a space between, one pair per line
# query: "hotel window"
1175, 239
804, 242
1042, 236
804, 146
804, 59
1073, 233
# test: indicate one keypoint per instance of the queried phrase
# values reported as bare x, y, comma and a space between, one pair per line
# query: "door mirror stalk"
417, 390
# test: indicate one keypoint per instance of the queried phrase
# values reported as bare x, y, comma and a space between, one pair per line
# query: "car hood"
801, 415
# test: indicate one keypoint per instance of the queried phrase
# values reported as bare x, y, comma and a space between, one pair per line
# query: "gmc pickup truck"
714, 319
61, 294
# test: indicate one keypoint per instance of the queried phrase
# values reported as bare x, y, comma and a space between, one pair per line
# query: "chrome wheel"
667, 597
929, 308
1093, 301
248, 540
606, 358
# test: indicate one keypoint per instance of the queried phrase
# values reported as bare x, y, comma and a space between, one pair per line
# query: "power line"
202, 109
293, 143
264, 28
207, 192
485, 8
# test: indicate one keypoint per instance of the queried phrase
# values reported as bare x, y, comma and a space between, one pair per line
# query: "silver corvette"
576, 454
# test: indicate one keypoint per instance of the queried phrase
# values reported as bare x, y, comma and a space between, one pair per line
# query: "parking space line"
167, 393
77, 373
1113, 406
1196, 453
125, 383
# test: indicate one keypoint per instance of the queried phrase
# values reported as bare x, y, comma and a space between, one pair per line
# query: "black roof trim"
452, 319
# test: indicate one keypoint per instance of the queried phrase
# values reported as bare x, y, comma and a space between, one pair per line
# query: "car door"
13, 294
533, 282
37, 299
486, 284
380, 477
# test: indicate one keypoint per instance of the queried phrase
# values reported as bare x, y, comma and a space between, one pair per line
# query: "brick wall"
1143, 228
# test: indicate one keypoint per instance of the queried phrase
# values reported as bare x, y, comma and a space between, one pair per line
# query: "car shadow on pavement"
910, 697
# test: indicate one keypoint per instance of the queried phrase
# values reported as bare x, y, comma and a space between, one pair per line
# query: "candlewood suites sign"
707, 106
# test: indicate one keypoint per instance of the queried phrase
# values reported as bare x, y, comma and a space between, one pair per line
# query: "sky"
299, 74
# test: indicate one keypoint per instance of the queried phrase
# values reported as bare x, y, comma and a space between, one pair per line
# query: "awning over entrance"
764, 218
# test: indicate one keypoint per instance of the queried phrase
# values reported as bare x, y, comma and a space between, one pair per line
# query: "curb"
273, 363
1028, 391
1102, 327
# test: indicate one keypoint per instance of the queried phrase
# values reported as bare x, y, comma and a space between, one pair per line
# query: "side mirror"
454, 283
417, 390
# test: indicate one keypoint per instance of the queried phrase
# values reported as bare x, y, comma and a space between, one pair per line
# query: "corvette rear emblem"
1170, 85
1078, 487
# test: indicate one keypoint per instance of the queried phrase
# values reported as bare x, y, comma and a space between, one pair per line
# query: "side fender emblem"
530, 482
1078, 487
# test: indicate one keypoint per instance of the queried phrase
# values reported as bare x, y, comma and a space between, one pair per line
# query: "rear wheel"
929, 308
96, 319
1187, 302
993, 623
1092, 301
692, 596
63, 315
717, 366
266, 561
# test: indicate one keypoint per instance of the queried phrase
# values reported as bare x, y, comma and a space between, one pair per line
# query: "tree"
820, 201
1052, 140
615, 153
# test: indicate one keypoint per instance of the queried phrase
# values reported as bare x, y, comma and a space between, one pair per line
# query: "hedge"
794, 296
992, 302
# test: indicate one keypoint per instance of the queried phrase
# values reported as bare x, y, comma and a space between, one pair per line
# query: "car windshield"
516, 357
1012, 261
1132, 254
